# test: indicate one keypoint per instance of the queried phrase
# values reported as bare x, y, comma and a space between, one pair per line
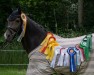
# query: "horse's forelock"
15, 14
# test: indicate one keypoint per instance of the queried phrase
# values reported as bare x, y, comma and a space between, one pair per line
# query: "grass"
12, 71
7, 57
13, 57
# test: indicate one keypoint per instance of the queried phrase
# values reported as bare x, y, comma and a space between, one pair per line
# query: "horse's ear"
19, 10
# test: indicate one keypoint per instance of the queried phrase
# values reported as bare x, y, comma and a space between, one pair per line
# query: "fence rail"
13, 64
11, 57
12, 50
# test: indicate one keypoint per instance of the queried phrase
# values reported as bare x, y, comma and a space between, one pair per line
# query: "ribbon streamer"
66, 58
89, 36
84, 45
61, 58
50, 50
45, 42
57, 51
81, 53
78, 57
72, 60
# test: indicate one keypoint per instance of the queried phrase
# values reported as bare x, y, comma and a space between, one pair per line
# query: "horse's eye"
17, 21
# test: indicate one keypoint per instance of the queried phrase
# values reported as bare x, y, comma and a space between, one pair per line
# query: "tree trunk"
80, 13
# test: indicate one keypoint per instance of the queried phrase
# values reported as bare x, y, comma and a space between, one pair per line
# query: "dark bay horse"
34, 36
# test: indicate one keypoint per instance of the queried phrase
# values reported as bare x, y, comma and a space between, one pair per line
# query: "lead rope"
4, 45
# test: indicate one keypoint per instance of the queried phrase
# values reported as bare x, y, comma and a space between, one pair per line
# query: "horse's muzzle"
8, 37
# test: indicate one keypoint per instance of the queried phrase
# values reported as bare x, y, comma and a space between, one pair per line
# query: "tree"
80, 13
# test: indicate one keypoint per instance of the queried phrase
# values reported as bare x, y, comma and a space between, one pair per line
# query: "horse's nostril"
8, 36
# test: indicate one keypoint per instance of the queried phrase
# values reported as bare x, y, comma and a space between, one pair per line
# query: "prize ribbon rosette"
72, 59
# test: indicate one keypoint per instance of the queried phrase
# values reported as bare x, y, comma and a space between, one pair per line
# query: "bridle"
15, 31
12, 30
23, 26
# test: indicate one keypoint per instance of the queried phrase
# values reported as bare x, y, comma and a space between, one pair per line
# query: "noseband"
13, 31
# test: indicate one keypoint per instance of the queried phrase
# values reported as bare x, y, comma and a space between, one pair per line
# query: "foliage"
88, 15
52, 14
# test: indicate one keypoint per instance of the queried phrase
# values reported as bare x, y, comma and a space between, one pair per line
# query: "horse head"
14, 25
30, 33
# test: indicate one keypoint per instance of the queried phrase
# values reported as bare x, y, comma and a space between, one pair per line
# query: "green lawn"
12, 71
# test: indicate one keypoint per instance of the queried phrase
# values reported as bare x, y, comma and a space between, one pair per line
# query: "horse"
31, 35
